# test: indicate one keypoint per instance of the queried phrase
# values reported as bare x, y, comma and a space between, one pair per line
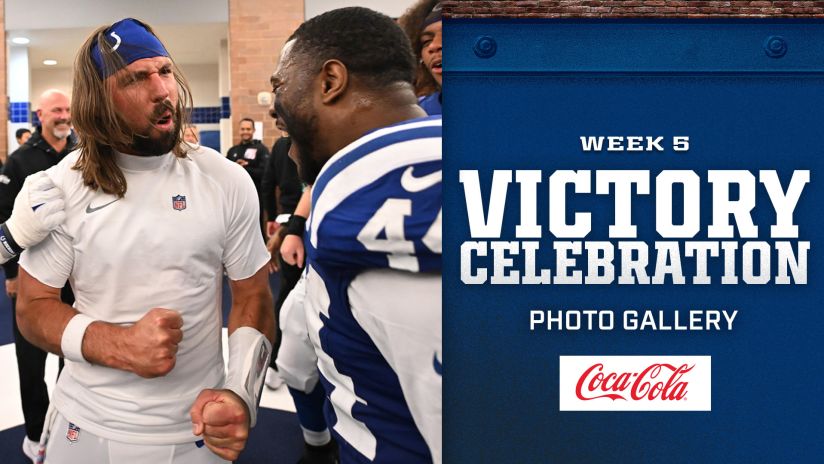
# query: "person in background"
151, 225
51, 142
251, 154
22, 135
191, 134
422, 24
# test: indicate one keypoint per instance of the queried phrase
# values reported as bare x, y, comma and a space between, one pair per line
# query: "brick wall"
257, 31
4, 110
629, 8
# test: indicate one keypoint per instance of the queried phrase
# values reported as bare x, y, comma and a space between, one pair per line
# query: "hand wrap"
249, 352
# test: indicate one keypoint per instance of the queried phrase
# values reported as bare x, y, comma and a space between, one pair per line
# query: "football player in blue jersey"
343, 87
422, 24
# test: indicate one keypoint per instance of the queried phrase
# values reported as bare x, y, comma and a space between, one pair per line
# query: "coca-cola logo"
658, 381
635, 383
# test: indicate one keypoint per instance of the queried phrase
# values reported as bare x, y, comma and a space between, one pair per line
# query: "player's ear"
334, 79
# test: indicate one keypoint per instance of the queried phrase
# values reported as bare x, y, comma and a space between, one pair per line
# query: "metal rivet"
485, 47
775, 46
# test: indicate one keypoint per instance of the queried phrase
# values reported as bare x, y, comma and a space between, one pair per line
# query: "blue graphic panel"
518, 95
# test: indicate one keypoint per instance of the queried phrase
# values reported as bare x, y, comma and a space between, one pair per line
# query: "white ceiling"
187, 43
192, 29
69, 14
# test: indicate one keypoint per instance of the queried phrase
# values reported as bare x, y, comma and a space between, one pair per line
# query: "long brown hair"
411, 23
97, 123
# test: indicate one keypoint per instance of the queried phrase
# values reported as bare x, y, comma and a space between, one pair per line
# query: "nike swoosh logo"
416, 184
90, 210
437, 365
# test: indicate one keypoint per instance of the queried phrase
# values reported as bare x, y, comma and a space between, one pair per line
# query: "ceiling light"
20, 40
50, 62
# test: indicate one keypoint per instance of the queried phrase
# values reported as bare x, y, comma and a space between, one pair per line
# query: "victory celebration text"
726, 245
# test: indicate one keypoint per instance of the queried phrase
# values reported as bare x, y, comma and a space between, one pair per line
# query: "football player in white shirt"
343, 87
151, 225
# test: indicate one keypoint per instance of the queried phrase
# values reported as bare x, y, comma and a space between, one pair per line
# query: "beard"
303, 132
146, 145
308, 167
61, 134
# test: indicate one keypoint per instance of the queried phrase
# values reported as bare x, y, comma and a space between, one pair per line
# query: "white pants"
72, 446
297, 361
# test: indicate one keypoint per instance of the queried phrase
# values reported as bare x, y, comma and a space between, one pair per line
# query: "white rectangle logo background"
698, 396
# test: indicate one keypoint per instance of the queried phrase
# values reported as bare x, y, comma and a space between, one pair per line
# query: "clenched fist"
292, 250
223, 420
153, 342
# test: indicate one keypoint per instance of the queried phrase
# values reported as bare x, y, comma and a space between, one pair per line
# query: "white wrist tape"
249, 352
72, 341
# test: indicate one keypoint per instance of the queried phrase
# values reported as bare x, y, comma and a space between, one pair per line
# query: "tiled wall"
211, 139
225, 108
19, 111
206, 115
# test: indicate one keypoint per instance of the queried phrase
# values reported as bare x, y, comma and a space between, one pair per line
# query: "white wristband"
72, 341
249, 352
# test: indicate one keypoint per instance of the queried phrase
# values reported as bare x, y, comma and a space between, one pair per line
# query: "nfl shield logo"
179, 202
72, 433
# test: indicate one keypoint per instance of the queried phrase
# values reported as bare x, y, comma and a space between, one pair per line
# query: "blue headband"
131, 41
433, 17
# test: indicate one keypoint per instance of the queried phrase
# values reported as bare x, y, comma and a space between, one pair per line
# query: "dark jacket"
33, 156
253, 152
281, 173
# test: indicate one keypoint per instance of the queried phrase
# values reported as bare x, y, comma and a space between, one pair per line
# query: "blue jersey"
431, 103
373, 302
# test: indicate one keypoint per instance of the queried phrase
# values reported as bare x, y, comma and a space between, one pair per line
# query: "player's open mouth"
165, 121
436, 66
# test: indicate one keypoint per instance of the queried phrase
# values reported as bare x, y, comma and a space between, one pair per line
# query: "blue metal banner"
632, 222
